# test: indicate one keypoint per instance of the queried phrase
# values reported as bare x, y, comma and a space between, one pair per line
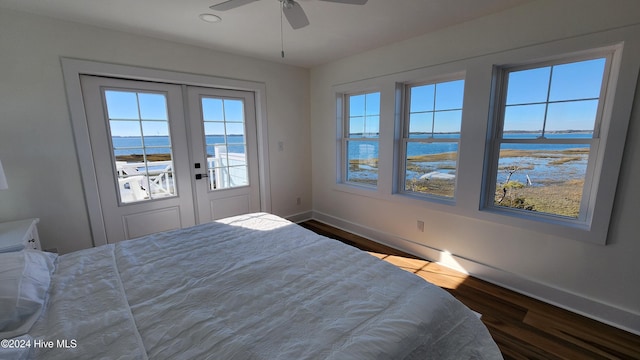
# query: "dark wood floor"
523, 328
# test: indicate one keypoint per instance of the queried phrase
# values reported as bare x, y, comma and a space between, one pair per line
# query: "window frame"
594, 175
405, 139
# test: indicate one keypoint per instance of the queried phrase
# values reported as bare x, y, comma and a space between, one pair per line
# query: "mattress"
254, 286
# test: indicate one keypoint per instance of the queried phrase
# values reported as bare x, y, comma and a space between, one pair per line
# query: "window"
360, 142
431, 138
548, 136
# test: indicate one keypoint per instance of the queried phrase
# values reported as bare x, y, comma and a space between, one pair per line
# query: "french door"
224, 148
169, 156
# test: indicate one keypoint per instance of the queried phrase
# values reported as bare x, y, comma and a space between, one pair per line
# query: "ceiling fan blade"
352, 2
230, 4
295, 15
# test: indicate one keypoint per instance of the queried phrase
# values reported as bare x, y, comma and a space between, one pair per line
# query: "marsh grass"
446, 156
140, 158
561, 198
439, 187
554, 195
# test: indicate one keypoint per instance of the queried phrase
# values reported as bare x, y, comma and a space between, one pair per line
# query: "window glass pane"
356, 105
234, 110
546, 178
153, 106
431, 168
578, 80
121, 104
447, 121
420, 124
356, 127
528, 86
362, 162
422, 98
449, 95
573, 116
372, 126
212, 109
523, 121
452, 136
364, 115
372, 104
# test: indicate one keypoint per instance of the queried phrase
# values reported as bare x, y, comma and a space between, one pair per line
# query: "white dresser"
18, 235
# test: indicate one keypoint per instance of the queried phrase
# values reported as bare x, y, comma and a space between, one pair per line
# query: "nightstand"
18, 235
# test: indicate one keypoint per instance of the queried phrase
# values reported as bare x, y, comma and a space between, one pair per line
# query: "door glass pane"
223, 122
141, 142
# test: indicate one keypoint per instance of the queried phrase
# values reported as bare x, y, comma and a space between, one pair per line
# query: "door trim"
73, 68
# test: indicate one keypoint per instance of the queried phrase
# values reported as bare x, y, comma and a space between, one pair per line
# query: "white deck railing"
155, 179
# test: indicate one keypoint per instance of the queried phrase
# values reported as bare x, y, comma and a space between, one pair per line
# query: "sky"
571, 90
125, 108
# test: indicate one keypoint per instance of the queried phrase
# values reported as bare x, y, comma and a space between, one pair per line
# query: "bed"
254, 286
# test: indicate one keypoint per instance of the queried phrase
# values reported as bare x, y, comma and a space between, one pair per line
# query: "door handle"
200, 176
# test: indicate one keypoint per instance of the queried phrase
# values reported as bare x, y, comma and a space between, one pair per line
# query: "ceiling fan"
292, 10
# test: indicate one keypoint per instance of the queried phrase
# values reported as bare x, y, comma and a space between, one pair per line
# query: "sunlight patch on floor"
435, 273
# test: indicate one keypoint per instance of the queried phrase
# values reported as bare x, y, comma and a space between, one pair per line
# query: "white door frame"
73, 68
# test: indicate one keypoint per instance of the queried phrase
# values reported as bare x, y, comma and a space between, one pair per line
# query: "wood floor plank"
523, 327
586, 333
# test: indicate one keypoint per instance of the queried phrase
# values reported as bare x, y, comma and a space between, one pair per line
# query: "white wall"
600, 281
36, 141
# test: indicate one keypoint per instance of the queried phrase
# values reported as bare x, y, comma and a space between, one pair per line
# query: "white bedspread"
250, 287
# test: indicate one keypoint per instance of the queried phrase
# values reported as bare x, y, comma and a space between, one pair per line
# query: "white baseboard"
300, 217
595, 310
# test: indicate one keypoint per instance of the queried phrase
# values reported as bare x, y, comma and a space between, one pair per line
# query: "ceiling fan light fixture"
287, 4
210, 18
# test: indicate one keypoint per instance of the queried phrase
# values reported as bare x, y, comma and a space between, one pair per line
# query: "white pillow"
25, 277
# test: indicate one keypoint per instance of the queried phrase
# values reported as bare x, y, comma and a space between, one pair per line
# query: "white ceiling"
336, 30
